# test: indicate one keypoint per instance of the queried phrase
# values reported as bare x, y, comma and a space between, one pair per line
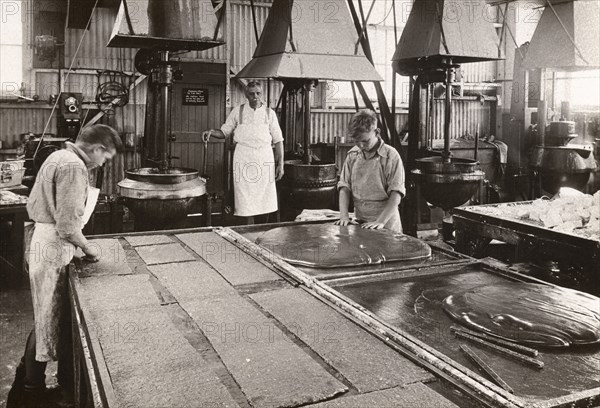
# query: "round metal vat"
447, 185
308, 186
563, 166
552, 182
436, 165
156, 214
157, 203
173, 175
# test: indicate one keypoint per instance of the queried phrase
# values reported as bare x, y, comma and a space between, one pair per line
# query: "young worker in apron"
255, 131
60, 203
373, 175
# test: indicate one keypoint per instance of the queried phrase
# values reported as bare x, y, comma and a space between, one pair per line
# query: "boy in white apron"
373, 175
255, 131
60, 203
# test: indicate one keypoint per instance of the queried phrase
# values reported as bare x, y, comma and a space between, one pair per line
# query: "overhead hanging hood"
566, 37
296, 43
167, 25
438, 31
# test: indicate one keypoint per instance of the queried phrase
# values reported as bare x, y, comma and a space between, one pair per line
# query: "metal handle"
205, 139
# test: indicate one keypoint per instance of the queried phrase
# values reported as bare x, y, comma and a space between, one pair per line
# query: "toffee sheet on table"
414, 305
533, 314
332, 246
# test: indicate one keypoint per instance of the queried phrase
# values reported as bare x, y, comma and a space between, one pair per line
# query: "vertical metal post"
164, 82
413, 122
395, 140
284, 114
447, 115
306, 141
476, 153
293, 113
428, 114
565, 110
542, 108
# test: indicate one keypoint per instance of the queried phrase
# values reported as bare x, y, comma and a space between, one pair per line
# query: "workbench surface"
206, 317
189, 319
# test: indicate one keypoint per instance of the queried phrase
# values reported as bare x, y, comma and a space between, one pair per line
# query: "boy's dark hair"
101, 134
362, 121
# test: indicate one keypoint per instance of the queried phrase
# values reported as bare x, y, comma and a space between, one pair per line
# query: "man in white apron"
60, 204
373, 175
255, 131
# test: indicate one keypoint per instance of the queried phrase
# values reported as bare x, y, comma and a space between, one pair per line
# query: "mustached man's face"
254, 96
366, 141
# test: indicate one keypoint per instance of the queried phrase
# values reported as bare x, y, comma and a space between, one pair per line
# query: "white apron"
48, 257
253, 169
370, 194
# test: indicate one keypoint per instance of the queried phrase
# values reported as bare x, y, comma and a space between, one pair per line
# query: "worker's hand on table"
372, 225
278, 172
345, 222
92, 253
90, 259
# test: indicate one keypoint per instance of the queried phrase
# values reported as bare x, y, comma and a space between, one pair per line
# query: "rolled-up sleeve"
71, 180
346, 174
231, 122
274, 128
395, 178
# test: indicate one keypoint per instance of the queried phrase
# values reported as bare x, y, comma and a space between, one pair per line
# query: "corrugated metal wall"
327, 124
242, 42
467, 116
93, 52
16, 119
48, 83
241, 36
479, 71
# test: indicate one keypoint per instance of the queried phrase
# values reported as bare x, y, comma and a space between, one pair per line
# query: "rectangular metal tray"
528, 227
412, 304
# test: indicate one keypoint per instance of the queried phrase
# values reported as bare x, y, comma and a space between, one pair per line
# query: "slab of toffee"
331, 246
529, 313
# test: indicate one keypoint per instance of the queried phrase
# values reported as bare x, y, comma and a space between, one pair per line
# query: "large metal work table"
205, 317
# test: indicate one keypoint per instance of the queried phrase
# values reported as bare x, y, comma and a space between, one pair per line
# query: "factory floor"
16, 314
17, 319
